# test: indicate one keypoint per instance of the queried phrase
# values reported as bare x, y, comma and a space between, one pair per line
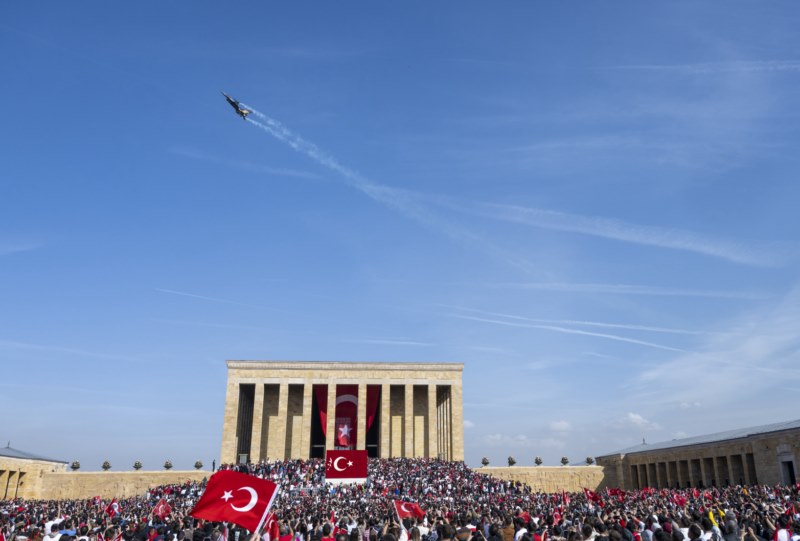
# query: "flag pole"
266, 511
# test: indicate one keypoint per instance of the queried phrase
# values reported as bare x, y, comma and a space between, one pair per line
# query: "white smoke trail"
400, 200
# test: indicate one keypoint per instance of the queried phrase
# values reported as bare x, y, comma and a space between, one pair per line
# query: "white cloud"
639, 421
560, 426
504, 439
552, 443
468, 424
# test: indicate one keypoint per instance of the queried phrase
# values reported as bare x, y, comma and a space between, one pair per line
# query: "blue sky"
591, 205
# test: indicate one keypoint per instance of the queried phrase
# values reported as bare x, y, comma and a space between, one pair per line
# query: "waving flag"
112, 509
408, 509
236, 497
162, 509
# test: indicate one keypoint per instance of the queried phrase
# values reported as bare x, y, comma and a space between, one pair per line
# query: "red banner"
351, 465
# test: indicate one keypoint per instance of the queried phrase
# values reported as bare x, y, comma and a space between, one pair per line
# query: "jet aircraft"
241, 111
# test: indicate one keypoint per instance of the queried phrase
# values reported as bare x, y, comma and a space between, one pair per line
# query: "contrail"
402, 201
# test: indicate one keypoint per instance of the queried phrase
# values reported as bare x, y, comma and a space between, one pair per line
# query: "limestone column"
256, 453
230, 420
330, 436
386, 429
433, 423
278, 426
305, 436
703, 475
746, 470
408, 421
457, 423
361, 422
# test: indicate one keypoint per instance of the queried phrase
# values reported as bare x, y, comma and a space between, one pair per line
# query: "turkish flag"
236, 497
162, 509
408, 509
342, 464
112, 509
271, 527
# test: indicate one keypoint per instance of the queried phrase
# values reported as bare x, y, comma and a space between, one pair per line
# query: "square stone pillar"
276, 439
256, 452
229, 423
457, 423
305, 436
330, 425
361, 422
746, 470
386, 429
408, 421
433, 424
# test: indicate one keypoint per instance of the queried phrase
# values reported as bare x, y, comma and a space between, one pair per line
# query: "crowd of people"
460, 504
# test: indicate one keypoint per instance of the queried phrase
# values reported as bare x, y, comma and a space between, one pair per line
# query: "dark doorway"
788, 472
374, 433
317, 436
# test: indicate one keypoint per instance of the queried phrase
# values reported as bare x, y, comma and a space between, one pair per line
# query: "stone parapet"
549, 479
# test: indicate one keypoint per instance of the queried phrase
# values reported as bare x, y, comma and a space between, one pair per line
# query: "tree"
538, 461
564, 461
589, 461
137, 465
75, 465
485, 461
106, 465
168, 465
198, 465
511, 460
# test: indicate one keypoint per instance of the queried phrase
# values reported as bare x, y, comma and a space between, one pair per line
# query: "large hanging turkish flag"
236, 497
345, 414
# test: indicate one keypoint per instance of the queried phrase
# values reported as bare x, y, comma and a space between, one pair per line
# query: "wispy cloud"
626, 326
11, 247
204, 298
567, 330
613, 229
404, 202
204, 324
764, 349
715, 67
388, 342
247, 166
46, 348
632, 289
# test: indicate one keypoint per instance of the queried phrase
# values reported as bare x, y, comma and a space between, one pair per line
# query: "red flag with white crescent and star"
408, 509
162, 509
350, 465
112, 509
236, 497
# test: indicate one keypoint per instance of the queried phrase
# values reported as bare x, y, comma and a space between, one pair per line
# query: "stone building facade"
765, 454
22, 473
282, 410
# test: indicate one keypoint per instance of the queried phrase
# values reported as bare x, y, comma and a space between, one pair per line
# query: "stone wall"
70, 485
550, 478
